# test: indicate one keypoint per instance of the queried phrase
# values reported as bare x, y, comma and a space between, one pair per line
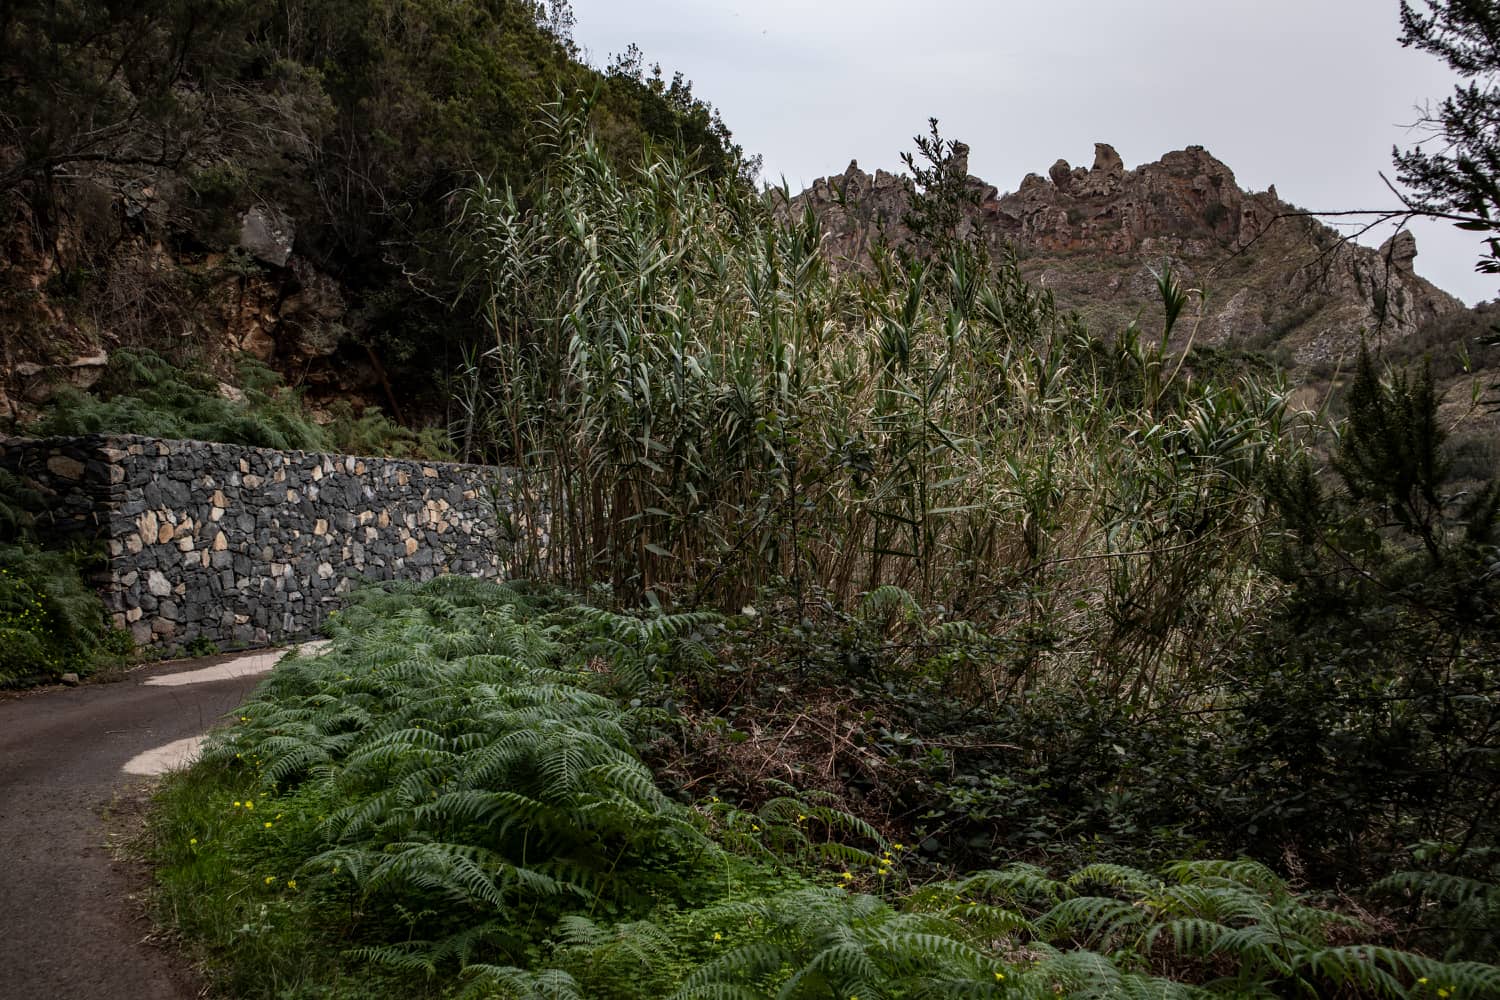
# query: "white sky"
1309, 95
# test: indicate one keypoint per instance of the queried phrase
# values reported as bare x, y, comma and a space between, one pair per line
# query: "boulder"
1062, 175
1400, 250
268, 235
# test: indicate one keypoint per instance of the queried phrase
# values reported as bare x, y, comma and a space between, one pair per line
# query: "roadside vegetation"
51, 621
452, 801
974, 643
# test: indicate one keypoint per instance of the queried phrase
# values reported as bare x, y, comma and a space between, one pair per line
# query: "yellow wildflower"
267, 824
192, 841
291, 883
270, 879
718, 936
249, 804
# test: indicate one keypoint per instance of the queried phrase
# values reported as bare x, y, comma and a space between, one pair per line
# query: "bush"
51, 622
142, 393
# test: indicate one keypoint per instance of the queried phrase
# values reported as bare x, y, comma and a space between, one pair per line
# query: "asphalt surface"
71, 925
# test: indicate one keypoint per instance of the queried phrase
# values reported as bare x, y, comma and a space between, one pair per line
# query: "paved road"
69, 929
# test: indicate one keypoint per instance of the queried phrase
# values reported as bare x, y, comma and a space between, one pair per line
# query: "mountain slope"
1270, 277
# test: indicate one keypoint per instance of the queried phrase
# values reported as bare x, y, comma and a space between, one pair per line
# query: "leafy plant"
447, 800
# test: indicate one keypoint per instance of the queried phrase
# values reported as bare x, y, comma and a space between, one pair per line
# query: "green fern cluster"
451, 792
142, 393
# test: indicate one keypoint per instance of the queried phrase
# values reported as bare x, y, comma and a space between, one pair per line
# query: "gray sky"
1308, 95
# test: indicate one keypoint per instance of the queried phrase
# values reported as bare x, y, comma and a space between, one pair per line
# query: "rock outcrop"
130, 272
1269, 275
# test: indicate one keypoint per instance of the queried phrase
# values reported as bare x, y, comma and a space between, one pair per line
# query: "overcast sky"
1308, 95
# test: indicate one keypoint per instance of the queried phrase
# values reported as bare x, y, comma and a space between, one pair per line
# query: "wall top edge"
109, 440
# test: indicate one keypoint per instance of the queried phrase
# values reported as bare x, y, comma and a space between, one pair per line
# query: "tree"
1460, 181
938, 193
135, 86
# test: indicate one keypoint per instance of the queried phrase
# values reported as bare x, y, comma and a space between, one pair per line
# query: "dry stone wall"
240, 546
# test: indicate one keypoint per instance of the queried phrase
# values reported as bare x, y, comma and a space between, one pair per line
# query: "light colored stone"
411, 546
320, 527
165, 534
66, 468
267, 233
132, 615
158, 584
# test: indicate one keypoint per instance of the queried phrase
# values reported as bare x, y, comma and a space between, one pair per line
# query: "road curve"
68, 925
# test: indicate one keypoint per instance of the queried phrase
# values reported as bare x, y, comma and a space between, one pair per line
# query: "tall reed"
700, 406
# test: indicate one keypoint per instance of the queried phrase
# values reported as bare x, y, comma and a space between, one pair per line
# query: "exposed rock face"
1095, 236
126, 274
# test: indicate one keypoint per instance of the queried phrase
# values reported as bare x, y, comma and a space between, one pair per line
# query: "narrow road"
68, 925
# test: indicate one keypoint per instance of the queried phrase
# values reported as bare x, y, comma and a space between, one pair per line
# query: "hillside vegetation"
136, 137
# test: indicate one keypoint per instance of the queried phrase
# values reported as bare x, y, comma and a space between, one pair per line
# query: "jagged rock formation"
1270, 278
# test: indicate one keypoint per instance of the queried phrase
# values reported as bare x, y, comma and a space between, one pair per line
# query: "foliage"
1370, 702
142, 393
937, 193
51, 622
163, 121
1461, 181
709, 409
446, 798
131, 85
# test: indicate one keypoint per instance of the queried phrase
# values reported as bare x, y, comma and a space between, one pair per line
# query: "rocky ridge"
1268, 277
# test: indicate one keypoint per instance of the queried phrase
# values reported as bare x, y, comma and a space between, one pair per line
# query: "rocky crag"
126, 271
1269, 278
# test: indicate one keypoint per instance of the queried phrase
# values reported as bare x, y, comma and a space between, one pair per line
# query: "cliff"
1269, 277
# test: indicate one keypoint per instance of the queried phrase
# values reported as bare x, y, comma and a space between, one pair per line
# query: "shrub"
51, 622
143, 393
447, 801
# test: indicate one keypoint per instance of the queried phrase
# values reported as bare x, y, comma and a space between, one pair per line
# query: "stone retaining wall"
248, 546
